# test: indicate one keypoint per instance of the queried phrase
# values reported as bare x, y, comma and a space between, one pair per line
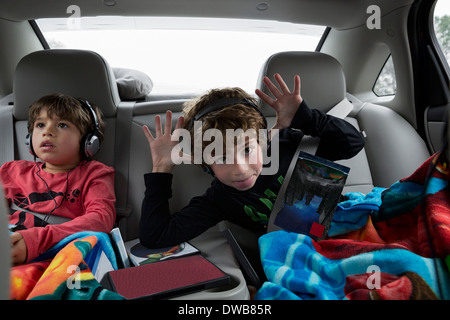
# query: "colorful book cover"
311, 197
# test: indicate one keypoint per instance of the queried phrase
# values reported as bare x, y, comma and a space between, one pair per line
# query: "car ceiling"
339, 14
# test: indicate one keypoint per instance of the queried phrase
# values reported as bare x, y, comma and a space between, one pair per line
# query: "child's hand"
285, 103
18, 249
161, 145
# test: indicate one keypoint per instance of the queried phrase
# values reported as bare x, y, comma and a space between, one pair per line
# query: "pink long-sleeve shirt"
85, 195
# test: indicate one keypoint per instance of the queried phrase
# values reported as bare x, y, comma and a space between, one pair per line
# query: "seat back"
87, 75
322, 78
393, 149
78, 73
322, 87
188, 180
81, 74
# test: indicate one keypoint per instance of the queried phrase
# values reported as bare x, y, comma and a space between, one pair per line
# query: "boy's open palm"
286, 103
161, 144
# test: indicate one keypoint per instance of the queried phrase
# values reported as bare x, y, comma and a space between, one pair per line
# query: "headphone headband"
222, 103
91, 111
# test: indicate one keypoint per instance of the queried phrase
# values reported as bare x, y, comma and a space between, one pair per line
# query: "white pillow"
132, 84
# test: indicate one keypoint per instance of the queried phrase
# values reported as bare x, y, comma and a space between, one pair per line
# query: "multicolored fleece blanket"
389, 244
64, 271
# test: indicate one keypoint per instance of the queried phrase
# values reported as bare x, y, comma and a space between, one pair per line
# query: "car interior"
401, 129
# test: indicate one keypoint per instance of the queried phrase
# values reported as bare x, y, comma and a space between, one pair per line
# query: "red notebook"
165, 279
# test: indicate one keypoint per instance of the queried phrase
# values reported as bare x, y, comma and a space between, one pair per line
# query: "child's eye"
249, 150
62, 125
39, 125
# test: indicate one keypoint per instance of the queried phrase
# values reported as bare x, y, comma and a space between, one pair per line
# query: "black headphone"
90, 143
225, 102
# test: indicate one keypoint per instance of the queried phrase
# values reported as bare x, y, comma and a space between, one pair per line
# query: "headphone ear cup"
29, 143
90, 145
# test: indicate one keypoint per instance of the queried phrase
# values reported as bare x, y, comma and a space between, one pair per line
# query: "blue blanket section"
103, 244
405, 196
295, 270
353, 213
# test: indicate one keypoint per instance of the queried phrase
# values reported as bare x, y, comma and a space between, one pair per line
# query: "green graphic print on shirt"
268, 201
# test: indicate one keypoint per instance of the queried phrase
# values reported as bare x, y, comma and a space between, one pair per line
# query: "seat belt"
122, 156
50, 218
310, 143
307, 144
341, 110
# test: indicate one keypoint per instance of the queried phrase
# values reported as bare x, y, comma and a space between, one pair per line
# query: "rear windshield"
183, 55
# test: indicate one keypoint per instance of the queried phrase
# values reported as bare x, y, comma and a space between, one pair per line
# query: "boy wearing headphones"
239, 192
65, 192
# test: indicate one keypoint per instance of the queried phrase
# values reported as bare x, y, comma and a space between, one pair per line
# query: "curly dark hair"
67, 108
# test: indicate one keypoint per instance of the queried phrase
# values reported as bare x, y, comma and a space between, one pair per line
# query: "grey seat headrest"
78, 73
322, 78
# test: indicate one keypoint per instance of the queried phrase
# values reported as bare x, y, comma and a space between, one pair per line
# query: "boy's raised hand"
161, 145
286, 103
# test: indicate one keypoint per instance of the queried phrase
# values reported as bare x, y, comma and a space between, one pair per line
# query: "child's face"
242, 171
56, 142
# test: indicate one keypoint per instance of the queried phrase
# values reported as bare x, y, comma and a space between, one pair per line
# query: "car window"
442, 26
386, 84
183, 55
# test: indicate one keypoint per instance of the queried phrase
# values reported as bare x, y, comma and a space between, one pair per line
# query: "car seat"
82, 74
393, 149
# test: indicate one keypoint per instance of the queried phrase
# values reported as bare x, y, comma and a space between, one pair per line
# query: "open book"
310, 198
